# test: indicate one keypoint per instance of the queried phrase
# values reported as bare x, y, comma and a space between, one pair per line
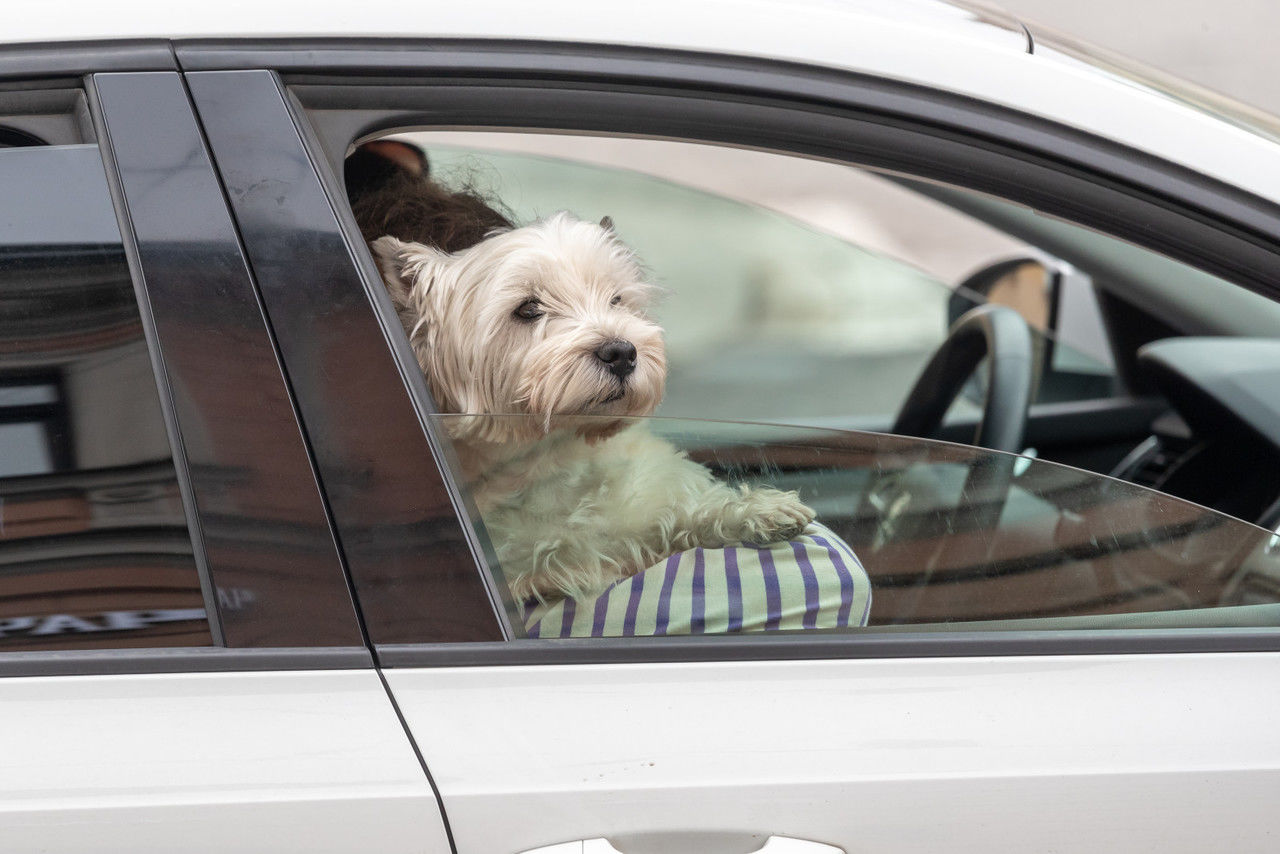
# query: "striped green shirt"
812, 582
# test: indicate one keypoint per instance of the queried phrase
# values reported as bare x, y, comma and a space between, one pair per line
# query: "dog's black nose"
619, 356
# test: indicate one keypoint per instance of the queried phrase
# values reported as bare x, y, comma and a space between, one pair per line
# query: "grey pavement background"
1227, 45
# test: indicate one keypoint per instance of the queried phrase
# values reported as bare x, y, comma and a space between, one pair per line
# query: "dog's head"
548, 319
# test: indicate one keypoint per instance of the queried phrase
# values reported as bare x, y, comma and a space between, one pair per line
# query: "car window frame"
588, 88
464, 161
255, 142
160, 276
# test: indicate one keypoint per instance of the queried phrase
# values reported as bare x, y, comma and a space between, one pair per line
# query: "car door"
181, 667
1004, 736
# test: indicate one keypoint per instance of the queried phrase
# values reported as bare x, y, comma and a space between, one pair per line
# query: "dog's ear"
606, 222
401, 264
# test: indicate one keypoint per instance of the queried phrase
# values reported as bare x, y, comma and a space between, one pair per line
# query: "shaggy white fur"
549, 320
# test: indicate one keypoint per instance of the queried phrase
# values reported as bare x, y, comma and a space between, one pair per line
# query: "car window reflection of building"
34, 431
94, 545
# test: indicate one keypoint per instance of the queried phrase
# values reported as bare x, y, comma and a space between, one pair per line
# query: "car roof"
712, 23
968, 48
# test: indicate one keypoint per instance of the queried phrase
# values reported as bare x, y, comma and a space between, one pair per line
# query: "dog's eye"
616, 300
530, 310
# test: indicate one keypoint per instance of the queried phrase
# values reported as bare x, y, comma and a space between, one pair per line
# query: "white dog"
549, 320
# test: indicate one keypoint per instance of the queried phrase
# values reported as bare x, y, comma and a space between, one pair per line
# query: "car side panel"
310, 762
1133, 753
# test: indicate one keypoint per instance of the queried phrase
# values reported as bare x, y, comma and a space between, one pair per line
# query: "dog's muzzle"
619, 357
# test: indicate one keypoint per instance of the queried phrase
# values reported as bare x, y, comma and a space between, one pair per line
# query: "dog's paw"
773, 516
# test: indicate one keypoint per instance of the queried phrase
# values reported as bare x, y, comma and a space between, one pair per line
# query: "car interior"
1144, 374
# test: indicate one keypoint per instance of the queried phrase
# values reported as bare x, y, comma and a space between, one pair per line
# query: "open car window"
909, 534
777, 310
827, 274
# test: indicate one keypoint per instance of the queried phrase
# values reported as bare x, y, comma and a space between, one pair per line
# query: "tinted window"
94, 546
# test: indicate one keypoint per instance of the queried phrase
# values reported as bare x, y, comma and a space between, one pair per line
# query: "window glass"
908, 533
94, 546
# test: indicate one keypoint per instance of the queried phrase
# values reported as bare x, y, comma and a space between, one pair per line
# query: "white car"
246, 603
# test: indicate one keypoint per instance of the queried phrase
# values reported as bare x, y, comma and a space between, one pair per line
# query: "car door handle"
690, 842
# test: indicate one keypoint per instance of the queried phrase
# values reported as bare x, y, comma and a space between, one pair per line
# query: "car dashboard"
1220, 445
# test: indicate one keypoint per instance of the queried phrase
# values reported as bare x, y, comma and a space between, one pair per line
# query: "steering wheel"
1001, 335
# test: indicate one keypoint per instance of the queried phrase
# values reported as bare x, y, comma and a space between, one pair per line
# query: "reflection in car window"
94, 546
909, 533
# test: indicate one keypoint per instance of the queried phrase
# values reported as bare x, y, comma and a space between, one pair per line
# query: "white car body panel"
313, 762
1136, 753
932, 44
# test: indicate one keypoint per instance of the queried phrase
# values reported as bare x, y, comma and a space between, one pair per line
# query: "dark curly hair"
389, 198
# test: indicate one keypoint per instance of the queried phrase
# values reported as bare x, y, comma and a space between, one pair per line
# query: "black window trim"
120, 662
72, 60
715, 99
182, 470
179, 265
809, 645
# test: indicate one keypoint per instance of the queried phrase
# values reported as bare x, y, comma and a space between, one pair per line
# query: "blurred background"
1227, 45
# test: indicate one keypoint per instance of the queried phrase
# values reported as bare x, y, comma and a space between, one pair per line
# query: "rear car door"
181, 666
910, 738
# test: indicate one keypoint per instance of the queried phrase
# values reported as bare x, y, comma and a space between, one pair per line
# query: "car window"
775, 312
814, 295
906, 534
94, 546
